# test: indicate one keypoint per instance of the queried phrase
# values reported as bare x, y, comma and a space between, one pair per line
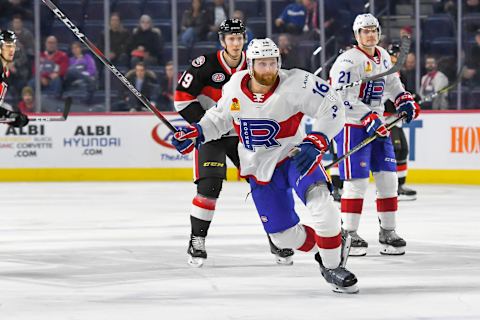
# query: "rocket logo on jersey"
259, 133
368, 66
372, 91
235, 106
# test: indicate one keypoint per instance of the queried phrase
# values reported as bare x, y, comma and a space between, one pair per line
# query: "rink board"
444, 148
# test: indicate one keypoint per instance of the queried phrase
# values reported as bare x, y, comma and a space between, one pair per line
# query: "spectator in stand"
146, 42
82, 71
53, 66
293, 17
407, 73
194, 24
119, 38
26, 105
167, 87
10, 8
408, 32
472, 72
24, 36
238, 14
290, 57
144, 81
312, 19
432, 82
217, 13
472, 6
446, 6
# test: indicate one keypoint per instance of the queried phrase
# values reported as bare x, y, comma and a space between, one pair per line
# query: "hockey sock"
199, 227
386, 209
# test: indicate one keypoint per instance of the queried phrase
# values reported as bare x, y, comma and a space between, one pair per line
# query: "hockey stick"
404, 49
107, 63
364, 142
359, 146
63, 117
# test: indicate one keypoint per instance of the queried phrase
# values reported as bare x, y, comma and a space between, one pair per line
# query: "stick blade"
66, 109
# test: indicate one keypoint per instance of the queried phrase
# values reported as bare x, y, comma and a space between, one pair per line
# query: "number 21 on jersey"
344, 77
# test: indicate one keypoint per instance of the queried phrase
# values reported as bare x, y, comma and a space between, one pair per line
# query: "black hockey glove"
21, 120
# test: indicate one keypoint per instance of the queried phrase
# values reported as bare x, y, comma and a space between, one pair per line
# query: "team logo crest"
218, 77
259, 133
372, 91
235, 106
368, 67
198, 61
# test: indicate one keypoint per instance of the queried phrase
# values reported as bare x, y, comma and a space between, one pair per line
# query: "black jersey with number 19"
200, 86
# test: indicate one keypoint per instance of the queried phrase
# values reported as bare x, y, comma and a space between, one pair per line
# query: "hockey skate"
391, 243
341, 280
282, 256
196, 251
406, 194
358, 246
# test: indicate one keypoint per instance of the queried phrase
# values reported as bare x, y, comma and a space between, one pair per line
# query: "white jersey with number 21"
355, 64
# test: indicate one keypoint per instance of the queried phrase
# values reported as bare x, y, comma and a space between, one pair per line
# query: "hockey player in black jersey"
399, 141
8, 46
199, 88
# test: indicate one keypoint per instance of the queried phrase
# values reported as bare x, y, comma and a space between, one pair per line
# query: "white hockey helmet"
262, 48
366, 20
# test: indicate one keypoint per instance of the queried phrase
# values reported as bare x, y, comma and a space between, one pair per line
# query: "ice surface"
115, 251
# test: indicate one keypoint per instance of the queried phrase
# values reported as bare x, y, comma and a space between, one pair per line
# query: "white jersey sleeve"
217, 121
325, 105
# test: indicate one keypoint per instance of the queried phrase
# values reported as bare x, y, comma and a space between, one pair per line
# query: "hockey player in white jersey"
265, 105
364, 117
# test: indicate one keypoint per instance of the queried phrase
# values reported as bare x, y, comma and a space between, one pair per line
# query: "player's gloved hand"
311, 152
406, 105
373, 125
188, 138
20, 120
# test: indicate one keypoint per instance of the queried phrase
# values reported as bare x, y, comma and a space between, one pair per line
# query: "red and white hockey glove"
311, 152
406, 105
373, 125
188, 138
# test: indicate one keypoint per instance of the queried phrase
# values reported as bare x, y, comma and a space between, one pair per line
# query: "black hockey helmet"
231, 26
393, 49
7, 36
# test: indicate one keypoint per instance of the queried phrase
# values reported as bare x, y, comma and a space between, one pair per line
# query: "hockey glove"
188, 138
311, 152
21, 120
373, 125
406, 105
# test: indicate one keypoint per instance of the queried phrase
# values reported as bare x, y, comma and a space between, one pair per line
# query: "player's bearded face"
368, 37
265, 71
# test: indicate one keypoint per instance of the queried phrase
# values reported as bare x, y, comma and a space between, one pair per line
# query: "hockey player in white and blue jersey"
265, 105
364, 117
